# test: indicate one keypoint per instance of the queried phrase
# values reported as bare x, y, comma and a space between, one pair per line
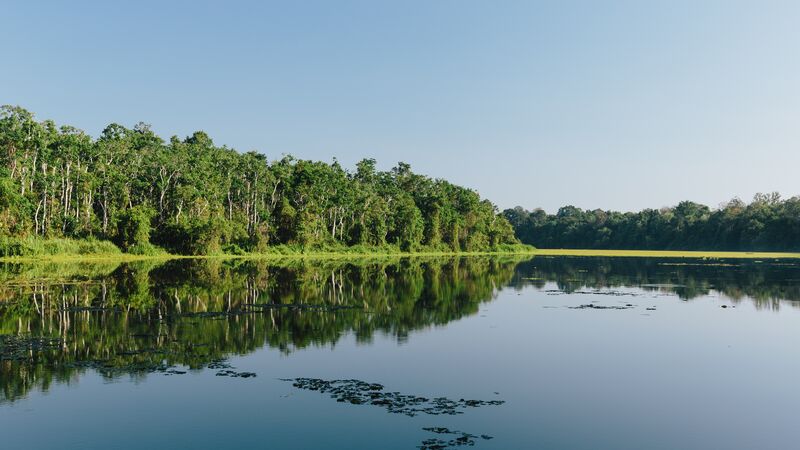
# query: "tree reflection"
134, 319
58, 321
765, 283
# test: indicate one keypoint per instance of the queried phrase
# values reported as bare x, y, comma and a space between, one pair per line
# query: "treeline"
765, 224
190, 196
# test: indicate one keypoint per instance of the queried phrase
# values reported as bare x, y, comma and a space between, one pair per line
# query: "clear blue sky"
620, 105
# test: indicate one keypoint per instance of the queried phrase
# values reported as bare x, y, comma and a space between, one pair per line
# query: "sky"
614, 105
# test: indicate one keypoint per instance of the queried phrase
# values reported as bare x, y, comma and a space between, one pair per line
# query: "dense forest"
190, 196
767, 224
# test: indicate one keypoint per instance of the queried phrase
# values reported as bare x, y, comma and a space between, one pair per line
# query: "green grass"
72, 250
664, 254
93, 250
25, 247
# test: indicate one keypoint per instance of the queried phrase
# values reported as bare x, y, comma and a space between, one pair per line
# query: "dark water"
548, 353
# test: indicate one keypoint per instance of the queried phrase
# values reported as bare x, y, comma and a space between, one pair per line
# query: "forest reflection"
58, 321
767, 284
141, 318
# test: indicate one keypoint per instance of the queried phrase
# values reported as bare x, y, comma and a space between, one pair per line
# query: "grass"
664, 254
31, 246
73, 251
59, 250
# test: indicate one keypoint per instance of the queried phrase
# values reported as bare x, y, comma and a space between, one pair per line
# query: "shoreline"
88, 258
676, 254
689, 254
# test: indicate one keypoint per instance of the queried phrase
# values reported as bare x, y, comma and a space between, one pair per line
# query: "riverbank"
94, 250
125, 257
666, 254
75, 251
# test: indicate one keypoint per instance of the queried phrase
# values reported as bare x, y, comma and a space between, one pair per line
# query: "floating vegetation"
611, 293
219, 364
235, 374
595, 292
19, 347
226, 370
593, 306
358, 392
461, 439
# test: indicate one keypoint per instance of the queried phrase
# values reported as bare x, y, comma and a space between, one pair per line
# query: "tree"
133, 227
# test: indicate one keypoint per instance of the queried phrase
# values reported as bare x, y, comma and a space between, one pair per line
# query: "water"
567, 353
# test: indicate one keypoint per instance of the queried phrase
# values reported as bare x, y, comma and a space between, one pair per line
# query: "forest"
767, 223
63, 191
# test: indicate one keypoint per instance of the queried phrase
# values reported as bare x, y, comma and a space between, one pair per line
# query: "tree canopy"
192, 196
766, 224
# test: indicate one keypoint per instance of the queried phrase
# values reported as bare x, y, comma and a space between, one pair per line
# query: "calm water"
559, 353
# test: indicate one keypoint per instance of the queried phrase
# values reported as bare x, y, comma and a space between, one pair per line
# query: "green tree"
133, 227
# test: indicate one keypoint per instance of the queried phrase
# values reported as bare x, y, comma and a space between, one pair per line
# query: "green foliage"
513, 248
11, 205
146, 249
133, 227
196, 237
407, 226
233, 249
192, 197
33, 246
766, 224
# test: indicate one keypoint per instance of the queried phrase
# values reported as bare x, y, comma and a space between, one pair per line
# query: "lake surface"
495, 353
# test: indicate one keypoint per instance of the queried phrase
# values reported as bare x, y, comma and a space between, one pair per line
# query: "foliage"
133, 227
146, 249
190, 196
766, 224
33, 246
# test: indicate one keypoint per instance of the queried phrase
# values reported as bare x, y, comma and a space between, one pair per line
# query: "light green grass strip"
345, 255
311, 255
664, 254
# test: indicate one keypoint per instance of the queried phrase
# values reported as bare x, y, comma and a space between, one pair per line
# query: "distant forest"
767, 224
191, 196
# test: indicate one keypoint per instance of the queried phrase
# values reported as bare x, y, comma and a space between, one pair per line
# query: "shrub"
146, 249
35, 246
133, 227
233, 249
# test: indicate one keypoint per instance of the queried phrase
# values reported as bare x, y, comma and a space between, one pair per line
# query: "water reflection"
58, 321
766, 283
141, 318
